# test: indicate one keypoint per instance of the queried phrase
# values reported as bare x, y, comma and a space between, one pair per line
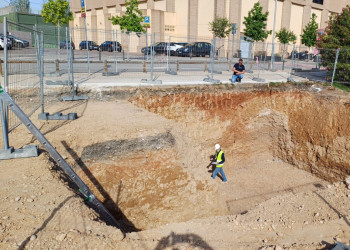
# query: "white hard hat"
217, 146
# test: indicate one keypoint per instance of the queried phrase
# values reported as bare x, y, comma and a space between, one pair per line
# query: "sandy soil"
148, 165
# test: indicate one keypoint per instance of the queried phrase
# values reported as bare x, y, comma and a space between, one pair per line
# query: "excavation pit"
276, 142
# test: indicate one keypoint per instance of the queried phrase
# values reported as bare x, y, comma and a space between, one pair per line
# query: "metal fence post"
147, 44
290, 79
129, 42
71, 63
58, 38
5, 56
212, 54
167, 55
335, 65
153, 38
68, 54
233, 46
4, 111
87, 45
42, 71
116, 51
212, 58
249, 70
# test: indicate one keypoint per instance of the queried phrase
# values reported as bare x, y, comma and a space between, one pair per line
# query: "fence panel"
22, 79
21, 50
127, 55
342, 64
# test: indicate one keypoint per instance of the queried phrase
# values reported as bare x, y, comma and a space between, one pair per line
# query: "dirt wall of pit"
308, 130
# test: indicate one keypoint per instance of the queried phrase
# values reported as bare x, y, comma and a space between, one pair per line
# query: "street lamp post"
273, 39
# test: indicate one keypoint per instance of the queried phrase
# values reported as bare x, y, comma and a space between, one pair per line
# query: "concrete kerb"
195, 78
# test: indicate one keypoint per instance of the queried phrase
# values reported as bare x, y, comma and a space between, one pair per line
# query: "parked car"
194, 49
159, 48
92, 45
110, 45
172, 47
10, 42
64, 44
19, 43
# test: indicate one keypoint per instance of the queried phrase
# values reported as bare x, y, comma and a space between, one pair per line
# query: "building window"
170, 28
318, 1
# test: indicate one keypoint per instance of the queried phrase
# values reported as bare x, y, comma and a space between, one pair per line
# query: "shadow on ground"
112, 206
189, 240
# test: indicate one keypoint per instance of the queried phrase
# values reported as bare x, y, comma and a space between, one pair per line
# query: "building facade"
190, 18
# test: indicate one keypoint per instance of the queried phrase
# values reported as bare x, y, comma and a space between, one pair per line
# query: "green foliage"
21, 6
255, 24
308, 38
56, 12
220, 27
343, 87
132, 19
335, 36
284, 36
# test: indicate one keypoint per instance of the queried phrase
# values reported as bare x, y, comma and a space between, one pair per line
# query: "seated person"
238, 71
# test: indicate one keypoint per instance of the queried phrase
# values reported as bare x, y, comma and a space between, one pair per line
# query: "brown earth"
144, 153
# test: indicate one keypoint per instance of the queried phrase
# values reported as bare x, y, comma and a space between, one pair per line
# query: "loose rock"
61, 237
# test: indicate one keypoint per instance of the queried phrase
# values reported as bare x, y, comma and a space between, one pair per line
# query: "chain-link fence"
22, 72
338, 65
21, 68
146, 57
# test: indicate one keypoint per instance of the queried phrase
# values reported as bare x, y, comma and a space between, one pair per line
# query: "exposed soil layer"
145, 152
307, 130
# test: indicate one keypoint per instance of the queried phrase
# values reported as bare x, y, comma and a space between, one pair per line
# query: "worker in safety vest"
219, 159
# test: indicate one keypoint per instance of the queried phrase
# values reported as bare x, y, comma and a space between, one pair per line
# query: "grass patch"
343, 87
275, 84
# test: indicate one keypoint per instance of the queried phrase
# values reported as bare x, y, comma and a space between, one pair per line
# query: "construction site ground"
144, 152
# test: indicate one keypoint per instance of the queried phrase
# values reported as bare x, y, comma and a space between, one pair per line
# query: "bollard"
144, 67
205, 66
177, 66
106, 67
229, 66
123, 55
99, 53
269, 66
251, 66
57, 66
1, 68
72, 54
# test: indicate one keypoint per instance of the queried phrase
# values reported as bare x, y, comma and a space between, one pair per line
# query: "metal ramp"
90, 198
340, 246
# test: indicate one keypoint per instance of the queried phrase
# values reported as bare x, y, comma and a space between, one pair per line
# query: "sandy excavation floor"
146, 159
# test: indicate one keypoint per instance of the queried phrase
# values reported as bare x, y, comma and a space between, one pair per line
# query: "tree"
255, 24
132, 19
336, 36
284, 36
56, 12
21, 6
220, 27
308, 38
